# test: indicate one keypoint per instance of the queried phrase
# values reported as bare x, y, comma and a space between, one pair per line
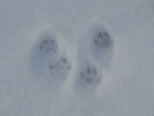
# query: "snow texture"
76, 58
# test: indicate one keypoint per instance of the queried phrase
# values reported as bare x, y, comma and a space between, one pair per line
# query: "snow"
76, 58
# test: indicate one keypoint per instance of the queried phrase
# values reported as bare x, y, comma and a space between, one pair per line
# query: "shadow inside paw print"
101, 47
89, 75
103, 39
48, 45
61, 67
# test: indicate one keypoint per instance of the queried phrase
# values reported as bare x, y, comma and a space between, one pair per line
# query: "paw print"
103, 40
61, 67
89, 75
101, 45
48, 62
48, 45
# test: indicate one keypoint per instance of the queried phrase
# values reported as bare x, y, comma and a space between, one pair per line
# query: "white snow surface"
53, 61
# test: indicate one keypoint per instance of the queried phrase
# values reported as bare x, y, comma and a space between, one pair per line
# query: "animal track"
93, 54
101, 45
47, 59
103, 40
61, 67
89, 75
48, 45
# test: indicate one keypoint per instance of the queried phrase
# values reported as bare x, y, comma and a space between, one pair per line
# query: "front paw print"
48, 45
89, 75
60, 68
103, 39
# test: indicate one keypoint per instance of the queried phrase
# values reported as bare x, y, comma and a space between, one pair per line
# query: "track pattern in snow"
93, 55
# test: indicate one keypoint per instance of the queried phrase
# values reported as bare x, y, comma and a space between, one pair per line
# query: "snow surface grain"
76, 58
